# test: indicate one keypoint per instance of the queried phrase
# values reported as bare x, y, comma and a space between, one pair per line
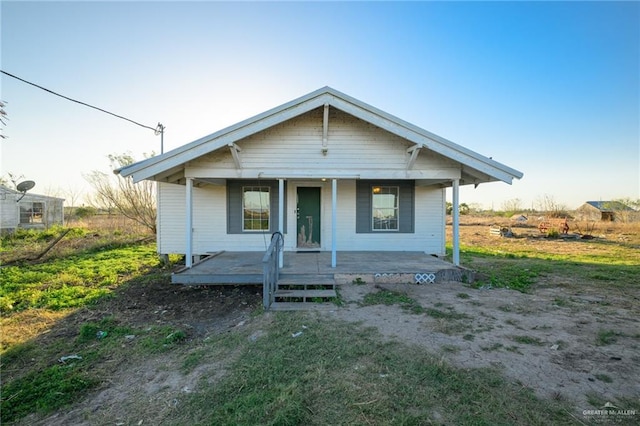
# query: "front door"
308, 217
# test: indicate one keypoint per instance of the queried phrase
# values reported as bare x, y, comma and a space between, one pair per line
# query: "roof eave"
203, 145
154, 166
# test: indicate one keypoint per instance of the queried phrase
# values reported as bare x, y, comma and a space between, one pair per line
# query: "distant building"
604, 211
519, 218
31, 211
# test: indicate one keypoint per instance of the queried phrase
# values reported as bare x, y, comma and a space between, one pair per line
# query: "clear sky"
548, 88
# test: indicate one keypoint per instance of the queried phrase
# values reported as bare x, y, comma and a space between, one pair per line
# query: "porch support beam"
235, 153
325, 130
455, 213
189, 224
414, 151
334, 219
281, 220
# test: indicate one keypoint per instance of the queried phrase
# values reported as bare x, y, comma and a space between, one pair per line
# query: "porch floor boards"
246, 267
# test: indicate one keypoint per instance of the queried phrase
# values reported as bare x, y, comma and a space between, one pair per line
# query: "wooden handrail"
271, 269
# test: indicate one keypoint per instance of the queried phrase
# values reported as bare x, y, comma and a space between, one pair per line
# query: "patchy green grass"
607, 337
528, 340
75, 280
493, 347
336, 373
87, 268
561, 301
388, 297
520, 263
31, 242
603, 378
517, 275
53, 382
449, 314
46, 390
450, 349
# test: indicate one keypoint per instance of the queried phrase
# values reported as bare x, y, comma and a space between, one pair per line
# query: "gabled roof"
483, 169
609, 206
29, 196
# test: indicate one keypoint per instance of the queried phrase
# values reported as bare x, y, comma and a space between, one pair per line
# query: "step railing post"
271, 269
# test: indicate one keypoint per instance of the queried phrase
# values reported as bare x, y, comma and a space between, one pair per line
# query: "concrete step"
306, 293
295, 306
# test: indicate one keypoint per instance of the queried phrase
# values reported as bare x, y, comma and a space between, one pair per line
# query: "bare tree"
550, 206
136, 201
513, 205
3, 118
72, 194
52, 191
13, 178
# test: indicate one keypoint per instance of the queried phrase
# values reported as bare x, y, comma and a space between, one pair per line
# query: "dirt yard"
549, 348
565, 339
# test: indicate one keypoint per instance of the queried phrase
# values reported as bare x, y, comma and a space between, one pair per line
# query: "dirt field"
548, 348
566, 339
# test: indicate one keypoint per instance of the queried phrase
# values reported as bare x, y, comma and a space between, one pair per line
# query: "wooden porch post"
455, 213
334, 219
189, 225
281, 208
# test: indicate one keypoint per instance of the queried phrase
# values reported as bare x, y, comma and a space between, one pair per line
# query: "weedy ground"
94, 333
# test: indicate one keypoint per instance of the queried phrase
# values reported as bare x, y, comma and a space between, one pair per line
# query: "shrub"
83, 212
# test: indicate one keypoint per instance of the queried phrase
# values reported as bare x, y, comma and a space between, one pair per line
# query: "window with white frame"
31, 212
255, 208
384, 205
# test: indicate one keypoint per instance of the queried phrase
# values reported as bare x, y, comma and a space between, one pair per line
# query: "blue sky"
549, 88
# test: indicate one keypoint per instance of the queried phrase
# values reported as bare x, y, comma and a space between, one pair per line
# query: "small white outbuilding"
28, 211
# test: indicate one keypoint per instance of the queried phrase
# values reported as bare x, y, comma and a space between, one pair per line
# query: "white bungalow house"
328, 171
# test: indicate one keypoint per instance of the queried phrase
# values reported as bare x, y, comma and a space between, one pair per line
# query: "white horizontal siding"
353, 145
210, 227
171, 218
9, 213
298, 144
221, 159
429, 224
209, 222
431, 218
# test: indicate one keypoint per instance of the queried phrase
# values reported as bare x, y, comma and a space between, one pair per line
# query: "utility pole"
160, 131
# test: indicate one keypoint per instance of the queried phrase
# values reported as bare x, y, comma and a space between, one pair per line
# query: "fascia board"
28, 196
423, 137
146, 169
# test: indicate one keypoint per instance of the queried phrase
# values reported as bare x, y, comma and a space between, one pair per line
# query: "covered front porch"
339, 214
227, 267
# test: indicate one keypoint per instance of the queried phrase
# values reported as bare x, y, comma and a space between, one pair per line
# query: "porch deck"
246, 268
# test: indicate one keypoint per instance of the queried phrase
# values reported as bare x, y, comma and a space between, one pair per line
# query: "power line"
159, 129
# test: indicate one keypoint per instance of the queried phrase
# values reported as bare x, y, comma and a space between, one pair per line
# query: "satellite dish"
24, 187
